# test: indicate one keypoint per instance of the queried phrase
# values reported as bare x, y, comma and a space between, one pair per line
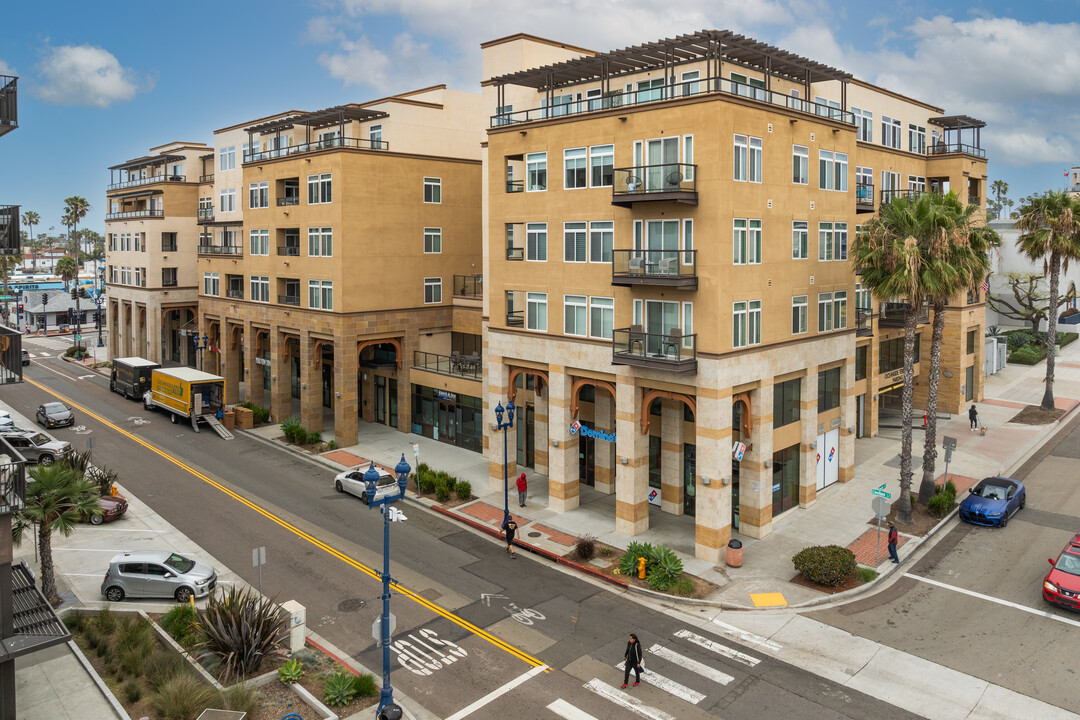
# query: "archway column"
632, 461
808, 456
496, 376
755, 480
253, 372
604, 452
229, 351
671, 457
280, 370
712, 528
847, 419
346, 399
311, 415
563, 483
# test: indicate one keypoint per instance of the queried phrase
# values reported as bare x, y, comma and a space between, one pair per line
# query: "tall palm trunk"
926, 487
1051, 331
48, 574
903, 503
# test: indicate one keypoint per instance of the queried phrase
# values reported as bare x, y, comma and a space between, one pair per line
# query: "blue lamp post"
504, 426
387, 710
200, 347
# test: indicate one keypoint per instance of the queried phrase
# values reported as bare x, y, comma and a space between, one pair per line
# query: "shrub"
179, 622
132, 692
92, 637
1028, 355
162, 666
102, 647
463, 489
132, 657
241, 629
1064, 338
950, 487
684, 587
291, 671
339, 689
442, 492
426, 482
291, 429
331, 445
258, 414
663, 569
941, 504
314, 437
182, 697
828, 565
865, 574
105, 621
364, 685
240, 698
585, 548
75, 351
628, 563
1019, 339
605, 552
133, 631
74, 622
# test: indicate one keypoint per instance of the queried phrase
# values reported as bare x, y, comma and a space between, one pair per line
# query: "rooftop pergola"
140, 163
316, 120
957, 124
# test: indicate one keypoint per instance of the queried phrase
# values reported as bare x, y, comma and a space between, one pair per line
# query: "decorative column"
311, 415
755, 480
280, 392
563, 483
253, 371
712, 529
632, 463
540, 427
346, 400
496, 374
230, 363
847, 420
604, 464
808, 456
671, 457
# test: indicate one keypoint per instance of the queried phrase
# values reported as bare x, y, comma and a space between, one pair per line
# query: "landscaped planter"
1070, 320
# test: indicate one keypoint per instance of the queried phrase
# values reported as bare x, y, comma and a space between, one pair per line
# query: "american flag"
985, 287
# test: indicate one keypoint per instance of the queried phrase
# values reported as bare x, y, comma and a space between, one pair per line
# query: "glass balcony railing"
135, 214
466, 366
206, 214
289, 300
221, 250
671, 351
316, 146
864, 195
469, 286
665, 181
289, 250
676, 268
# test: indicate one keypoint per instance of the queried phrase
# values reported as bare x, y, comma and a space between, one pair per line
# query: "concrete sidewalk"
841, 515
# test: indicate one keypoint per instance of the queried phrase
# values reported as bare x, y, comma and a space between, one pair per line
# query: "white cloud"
86, 75
405, 65
6, 69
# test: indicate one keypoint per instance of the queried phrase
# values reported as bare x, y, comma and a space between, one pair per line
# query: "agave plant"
241, 629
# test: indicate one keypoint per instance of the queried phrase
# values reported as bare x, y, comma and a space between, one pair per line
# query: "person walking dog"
894, 538
633, 660
973, 416
510, 528
523, 489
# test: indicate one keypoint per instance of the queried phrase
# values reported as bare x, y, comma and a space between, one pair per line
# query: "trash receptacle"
734, 553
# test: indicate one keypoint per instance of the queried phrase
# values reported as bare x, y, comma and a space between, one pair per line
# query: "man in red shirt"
523, 488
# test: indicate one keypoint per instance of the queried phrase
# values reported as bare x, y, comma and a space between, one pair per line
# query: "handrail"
289, 250
206, 178
661, 178
673, 91
515, 318
206, 213
943, 148
467, 366
669, 347
288, 300
324, 144
471, 286
653, 263
864, 193
235, 294
515, 253
135, 214
12, 484
221, 250
147, 181
288, 200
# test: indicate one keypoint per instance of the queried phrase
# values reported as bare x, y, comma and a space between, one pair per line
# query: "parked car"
993, 501
157, 574
6, 423
352, 482
1061, 585
54, 414
25, 357
37, 446
112, 508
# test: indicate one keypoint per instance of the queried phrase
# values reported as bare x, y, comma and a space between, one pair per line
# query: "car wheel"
1023, 501
114, 594
46, 460
97, 519
337, 486
183, 594
112, 386
1004, 521
172, 417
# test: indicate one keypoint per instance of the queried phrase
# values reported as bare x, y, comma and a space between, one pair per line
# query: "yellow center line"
442, 612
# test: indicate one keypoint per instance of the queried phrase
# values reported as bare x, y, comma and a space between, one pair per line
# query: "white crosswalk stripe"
669, 686
627, 701
747, 637
565, 710
718, 648
690, 664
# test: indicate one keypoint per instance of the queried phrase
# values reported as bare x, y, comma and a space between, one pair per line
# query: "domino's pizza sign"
654, 496
738, 450
585, 431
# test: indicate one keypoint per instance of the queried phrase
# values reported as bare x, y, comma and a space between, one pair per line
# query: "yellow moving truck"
186, 393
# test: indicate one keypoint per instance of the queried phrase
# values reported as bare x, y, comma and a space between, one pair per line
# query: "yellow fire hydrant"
641, 568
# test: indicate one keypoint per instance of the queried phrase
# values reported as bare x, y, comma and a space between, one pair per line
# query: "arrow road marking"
486, 598
717, 648
627, 701
668, 685
691, 664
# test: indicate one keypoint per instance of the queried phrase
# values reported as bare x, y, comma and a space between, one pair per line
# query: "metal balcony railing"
888, 196
944, 148
864, 322
891, 314
206, 214
666, 181
206, 178
316, 146
469, 286
135, 214
234, 293
974, 200
515, 186
466, 366
135, 182
673, 268
221, 249
864, 195
12, 482
515, 318
289, 250
672, 351
288, 200
289, 300
9, 104
515, 253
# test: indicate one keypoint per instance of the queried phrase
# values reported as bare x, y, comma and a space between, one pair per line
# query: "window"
536, 311
739, 242
828, 390
503, 115
247, 151
890, 132
786, 400
601, 317
536, 172
742, 156
825, 241
211, 283
738, 325
689, 82
319, 189
916, 184
753, 333
891, 354
840, 241
168, 277
228, 200
971, 342
841, 170
375, 136
575, 315
320, 242
860, 362
969, 383
260, 288
862, 296
755, 160
799, 240
688, 154
602, 165
433, 190
259, 194
330, 138
432, 290
321, 294
798, 314
916, 139
432, 240
840, 310
832, 311
574, 242
138, 277
832, 170
574, 161
800, 165
754, 243
864, 124
536, 242
864, 184
259, 242
688, 241
227, 158
824, 312
601, 241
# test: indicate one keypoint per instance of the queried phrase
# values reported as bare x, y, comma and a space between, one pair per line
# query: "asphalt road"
482, 620
1028, 646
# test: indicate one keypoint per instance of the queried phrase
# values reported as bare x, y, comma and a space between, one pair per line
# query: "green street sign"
878, 492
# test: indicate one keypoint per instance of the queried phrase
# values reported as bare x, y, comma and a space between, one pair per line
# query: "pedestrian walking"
633, 660
510, 529
894, 538
973, 416
523, 489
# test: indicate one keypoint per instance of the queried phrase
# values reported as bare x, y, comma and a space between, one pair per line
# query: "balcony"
515, 253
464, 366
469, 286
206, 215
515, 318
10, 235
974, 200
515, 186
944, 148
668, 182
12, 482
136, 182
891, 314
663, 268
147, 213
673, 352
9, 104
221, 250
316, 146
887, 196
864, 322
289, 250
206, 178
289, 300
288, 200
864, 197
235, 294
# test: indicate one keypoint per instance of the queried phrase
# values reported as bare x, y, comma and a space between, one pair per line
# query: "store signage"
738, 450
892, 376
446, 395
576, 427
654, 496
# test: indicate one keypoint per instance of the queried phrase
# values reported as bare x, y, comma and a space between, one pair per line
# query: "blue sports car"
993, 501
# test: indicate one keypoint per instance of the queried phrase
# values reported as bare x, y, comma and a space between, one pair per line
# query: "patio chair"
636, 336
673, 341
669, 266
636, 265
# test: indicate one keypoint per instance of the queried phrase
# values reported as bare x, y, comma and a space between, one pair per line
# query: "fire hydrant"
641, 568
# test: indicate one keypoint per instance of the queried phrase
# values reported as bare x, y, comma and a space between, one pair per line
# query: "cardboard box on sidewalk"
245, 419
229, 420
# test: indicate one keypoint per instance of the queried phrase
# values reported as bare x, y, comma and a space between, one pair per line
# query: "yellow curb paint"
768, 599
461, 622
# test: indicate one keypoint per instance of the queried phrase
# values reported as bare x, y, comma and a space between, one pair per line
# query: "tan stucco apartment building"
669, 298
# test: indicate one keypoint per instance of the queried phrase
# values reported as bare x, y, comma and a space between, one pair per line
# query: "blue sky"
101, 83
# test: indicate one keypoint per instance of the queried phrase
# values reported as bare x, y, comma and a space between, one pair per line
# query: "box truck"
188, 394
131, 376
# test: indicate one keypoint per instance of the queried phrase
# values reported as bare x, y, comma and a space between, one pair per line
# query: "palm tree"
1050, 231
56, 498
67, 270
1000, 188
76, 209
30, 219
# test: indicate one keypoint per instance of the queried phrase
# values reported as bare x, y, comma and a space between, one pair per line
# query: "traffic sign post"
258, 559
880, 504
949, 443
376, 629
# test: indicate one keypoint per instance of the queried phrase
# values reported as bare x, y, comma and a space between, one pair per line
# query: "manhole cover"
535, 534
351, 605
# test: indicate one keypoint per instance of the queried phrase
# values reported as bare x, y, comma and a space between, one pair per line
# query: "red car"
1061, 585
112, 507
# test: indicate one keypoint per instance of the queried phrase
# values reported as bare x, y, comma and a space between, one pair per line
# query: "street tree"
1050, 231
1001, 203
1030, 302
75, 209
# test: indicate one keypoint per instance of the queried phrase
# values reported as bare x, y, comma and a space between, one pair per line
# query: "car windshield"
40, 439
180, 563
55, 407
991, 492
1068, 563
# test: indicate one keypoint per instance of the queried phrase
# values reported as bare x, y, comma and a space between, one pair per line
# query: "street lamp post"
387, 709
504, 426
201, 347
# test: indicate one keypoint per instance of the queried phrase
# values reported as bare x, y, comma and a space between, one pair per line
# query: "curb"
102, 688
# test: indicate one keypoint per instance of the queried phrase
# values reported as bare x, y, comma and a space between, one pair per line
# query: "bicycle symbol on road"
81, 430
525, 616
136, 420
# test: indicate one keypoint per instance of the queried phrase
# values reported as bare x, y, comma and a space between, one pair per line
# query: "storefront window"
445, 416
892, 354
785, 479
860, 362
828, 390
786, 402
